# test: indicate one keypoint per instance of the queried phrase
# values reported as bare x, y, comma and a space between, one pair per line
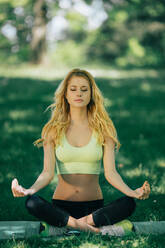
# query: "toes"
94, 229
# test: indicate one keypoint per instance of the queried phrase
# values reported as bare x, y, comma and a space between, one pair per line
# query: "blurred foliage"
77, 27
18, 47
69, 52
132, 35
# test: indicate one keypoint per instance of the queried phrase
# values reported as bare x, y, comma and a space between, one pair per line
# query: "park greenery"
126, 55
132, 35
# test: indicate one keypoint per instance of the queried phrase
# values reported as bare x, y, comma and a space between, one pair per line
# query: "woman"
78, 135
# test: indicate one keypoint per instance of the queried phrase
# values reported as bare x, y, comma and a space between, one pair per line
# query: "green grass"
137, 108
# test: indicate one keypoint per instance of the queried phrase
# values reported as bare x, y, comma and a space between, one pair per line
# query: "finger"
142, 193
146, 185
17, 191
18, 194
14, 185
147, 189
15, 181
141, 196
13, 188
20, 190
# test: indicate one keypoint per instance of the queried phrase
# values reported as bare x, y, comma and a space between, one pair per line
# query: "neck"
78, 116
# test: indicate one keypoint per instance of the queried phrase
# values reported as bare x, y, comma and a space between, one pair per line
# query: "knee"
31, 202
131, 204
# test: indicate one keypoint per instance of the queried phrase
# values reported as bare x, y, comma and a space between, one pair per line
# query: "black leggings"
57, 213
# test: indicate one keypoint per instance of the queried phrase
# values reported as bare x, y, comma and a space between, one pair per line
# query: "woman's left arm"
110, 172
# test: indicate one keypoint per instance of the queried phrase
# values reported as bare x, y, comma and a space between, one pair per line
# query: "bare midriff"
78, 187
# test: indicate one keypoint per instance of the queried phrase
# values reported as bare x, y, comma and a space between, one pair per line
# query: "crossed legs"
56, 216
112, 213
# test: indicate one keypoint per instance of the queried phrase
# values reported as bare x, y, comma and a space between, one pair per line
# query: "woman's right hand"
18, 190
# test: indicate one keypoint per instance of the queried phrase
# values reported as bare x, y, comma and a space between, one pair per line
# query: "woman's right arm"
47, 174
44, 178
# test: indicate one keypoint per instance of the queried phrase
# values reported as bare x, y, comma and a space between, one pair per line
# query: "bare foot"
88, 219
82, 225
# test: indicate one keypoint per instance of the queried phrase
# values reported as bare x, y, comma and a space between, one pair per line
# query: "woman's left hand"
143, 192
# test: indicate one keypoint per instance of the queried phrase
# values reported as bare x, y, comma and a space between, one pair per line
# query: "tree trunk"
38, 42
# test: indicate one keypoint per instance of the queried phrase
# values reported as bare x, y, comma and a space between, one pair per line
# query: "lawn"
135, 102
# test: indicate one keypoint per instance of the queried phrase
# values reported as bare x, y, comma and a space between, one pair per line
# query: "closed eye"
75, 90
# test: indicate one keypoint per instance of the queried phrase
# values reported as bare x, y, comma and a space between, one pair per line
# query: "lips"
78, 100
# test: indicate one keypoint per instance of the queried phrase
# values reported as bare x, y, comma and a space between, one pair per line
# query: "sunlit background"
122, 43
70, 33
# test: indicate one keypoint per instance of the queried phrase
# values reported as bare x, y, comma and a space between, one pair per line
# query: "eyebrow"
81, 86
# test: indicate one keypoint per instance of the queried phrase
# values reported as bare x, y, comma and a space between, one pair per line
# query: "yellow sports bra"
80, 160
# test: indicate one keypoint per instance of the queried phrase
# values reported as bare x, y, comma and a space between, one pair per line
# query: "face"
78, 88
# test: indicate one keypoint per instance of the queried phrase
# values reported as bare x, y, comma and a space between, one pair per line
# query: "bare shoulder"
49, 140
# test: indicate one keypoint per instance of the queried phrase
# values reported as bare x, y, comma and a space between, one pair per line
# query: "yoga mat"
150, 227
27, 229
24, 229
18, 229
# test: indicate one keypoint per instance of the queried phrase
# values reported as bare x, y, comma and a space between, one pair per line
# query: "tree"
38, 42
133, 35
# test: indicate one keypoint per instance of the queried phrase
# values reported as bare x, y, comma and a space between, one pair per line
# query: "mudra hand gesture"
18, 190
143, 192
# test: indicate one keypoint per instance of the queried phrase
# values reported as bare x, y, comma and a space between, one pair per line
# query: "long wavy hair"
98, 118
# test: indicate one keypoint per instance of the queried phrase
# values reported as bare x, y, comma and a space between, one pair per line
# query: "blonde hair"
98, 117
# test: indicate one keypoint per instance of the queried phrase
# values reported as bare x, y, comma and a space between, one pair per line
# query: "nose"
79, 92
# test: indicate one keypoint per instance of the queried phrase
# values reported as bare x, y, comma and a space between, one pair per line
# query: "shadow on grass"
136, 106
